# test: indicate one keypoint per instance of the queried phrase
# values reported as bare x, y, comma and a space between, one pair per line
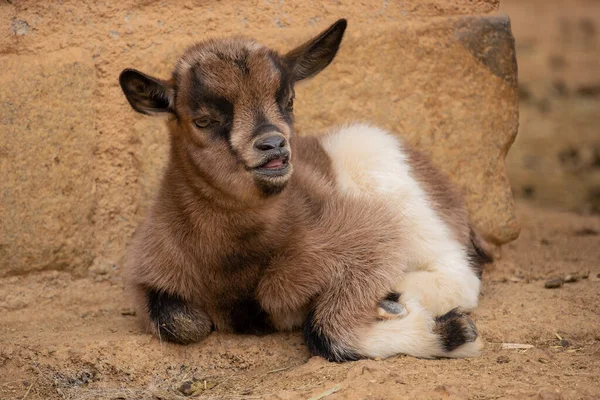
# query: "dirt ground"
62, 337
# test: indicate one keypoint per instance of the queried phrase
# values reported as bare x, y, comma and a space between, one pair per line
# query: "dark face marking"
219, 107
268, 189
202, 96
285, 92
264, 127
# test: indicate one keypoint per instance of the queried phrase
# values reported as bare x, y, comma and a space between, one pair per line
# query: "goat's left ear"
313, 56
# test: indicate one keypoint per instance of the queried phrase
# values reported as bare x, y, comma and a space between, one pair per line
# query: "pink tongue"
277, 163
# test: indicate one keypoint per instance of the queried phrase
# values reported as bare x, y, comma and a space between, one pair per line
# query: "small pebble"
586, 232
571, 278
553, 283
585, 275
128, 312
544, 360
565, 343
187, 388
502, 360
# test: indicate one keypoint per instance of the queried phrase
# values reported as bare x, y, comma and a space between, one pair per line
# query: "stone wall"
79, 167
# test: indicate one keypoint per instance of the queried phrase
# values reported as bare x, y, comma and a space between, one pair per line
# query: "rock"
46, 143
554, 283
585, 275
549, 394
187, 388
19, 27
190, 388
586, 232
102, 266
128, 312
576, 277
447, 390
502, 360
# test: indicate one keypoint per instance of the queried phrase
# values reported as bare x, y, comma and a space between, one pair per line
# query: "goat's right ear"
313, 56
147, 95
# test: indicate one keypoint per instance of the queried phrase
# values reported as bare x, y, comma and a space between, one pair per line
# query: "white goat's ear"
313, 56
147, 95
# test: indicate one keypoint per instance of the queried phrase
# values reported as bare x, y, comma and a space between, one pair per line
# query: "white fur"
413, 335
369, 161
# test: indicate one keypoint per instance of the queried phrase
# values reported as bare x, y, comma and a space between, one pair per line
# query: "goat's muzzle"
275, 162
273, 155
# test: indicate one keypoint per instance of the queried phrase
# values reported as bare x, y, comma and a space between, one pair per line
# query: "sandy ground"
62, 337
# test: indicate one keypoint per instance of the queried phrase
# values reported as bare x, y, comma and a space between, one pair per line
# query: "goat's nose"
270, 143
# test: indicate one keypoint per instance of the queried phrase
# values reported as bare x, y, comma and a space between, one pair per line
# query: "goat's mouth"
274, 165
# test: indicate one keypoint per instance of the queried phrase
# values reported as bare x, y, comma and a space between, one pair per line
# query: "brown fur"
226, 248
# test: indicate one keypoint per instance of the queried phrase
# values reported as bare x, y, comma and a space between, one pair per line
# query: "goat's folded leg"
442, 286
170, 318
285, 292
341, 326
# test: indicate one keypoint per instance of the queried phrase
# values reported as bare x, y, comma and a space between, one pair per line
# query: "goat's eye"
203, 122
290, 104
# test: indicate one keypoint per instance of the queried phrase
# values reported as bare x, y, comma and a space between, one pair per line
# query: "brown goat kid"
352, 235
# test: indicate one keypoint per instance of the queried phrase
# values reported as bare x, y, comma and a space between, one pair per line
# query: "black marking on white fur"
455, 329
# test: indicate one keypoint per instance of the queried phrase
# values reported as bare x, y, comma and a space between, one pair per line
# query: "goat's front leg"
288, 286
171, 318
